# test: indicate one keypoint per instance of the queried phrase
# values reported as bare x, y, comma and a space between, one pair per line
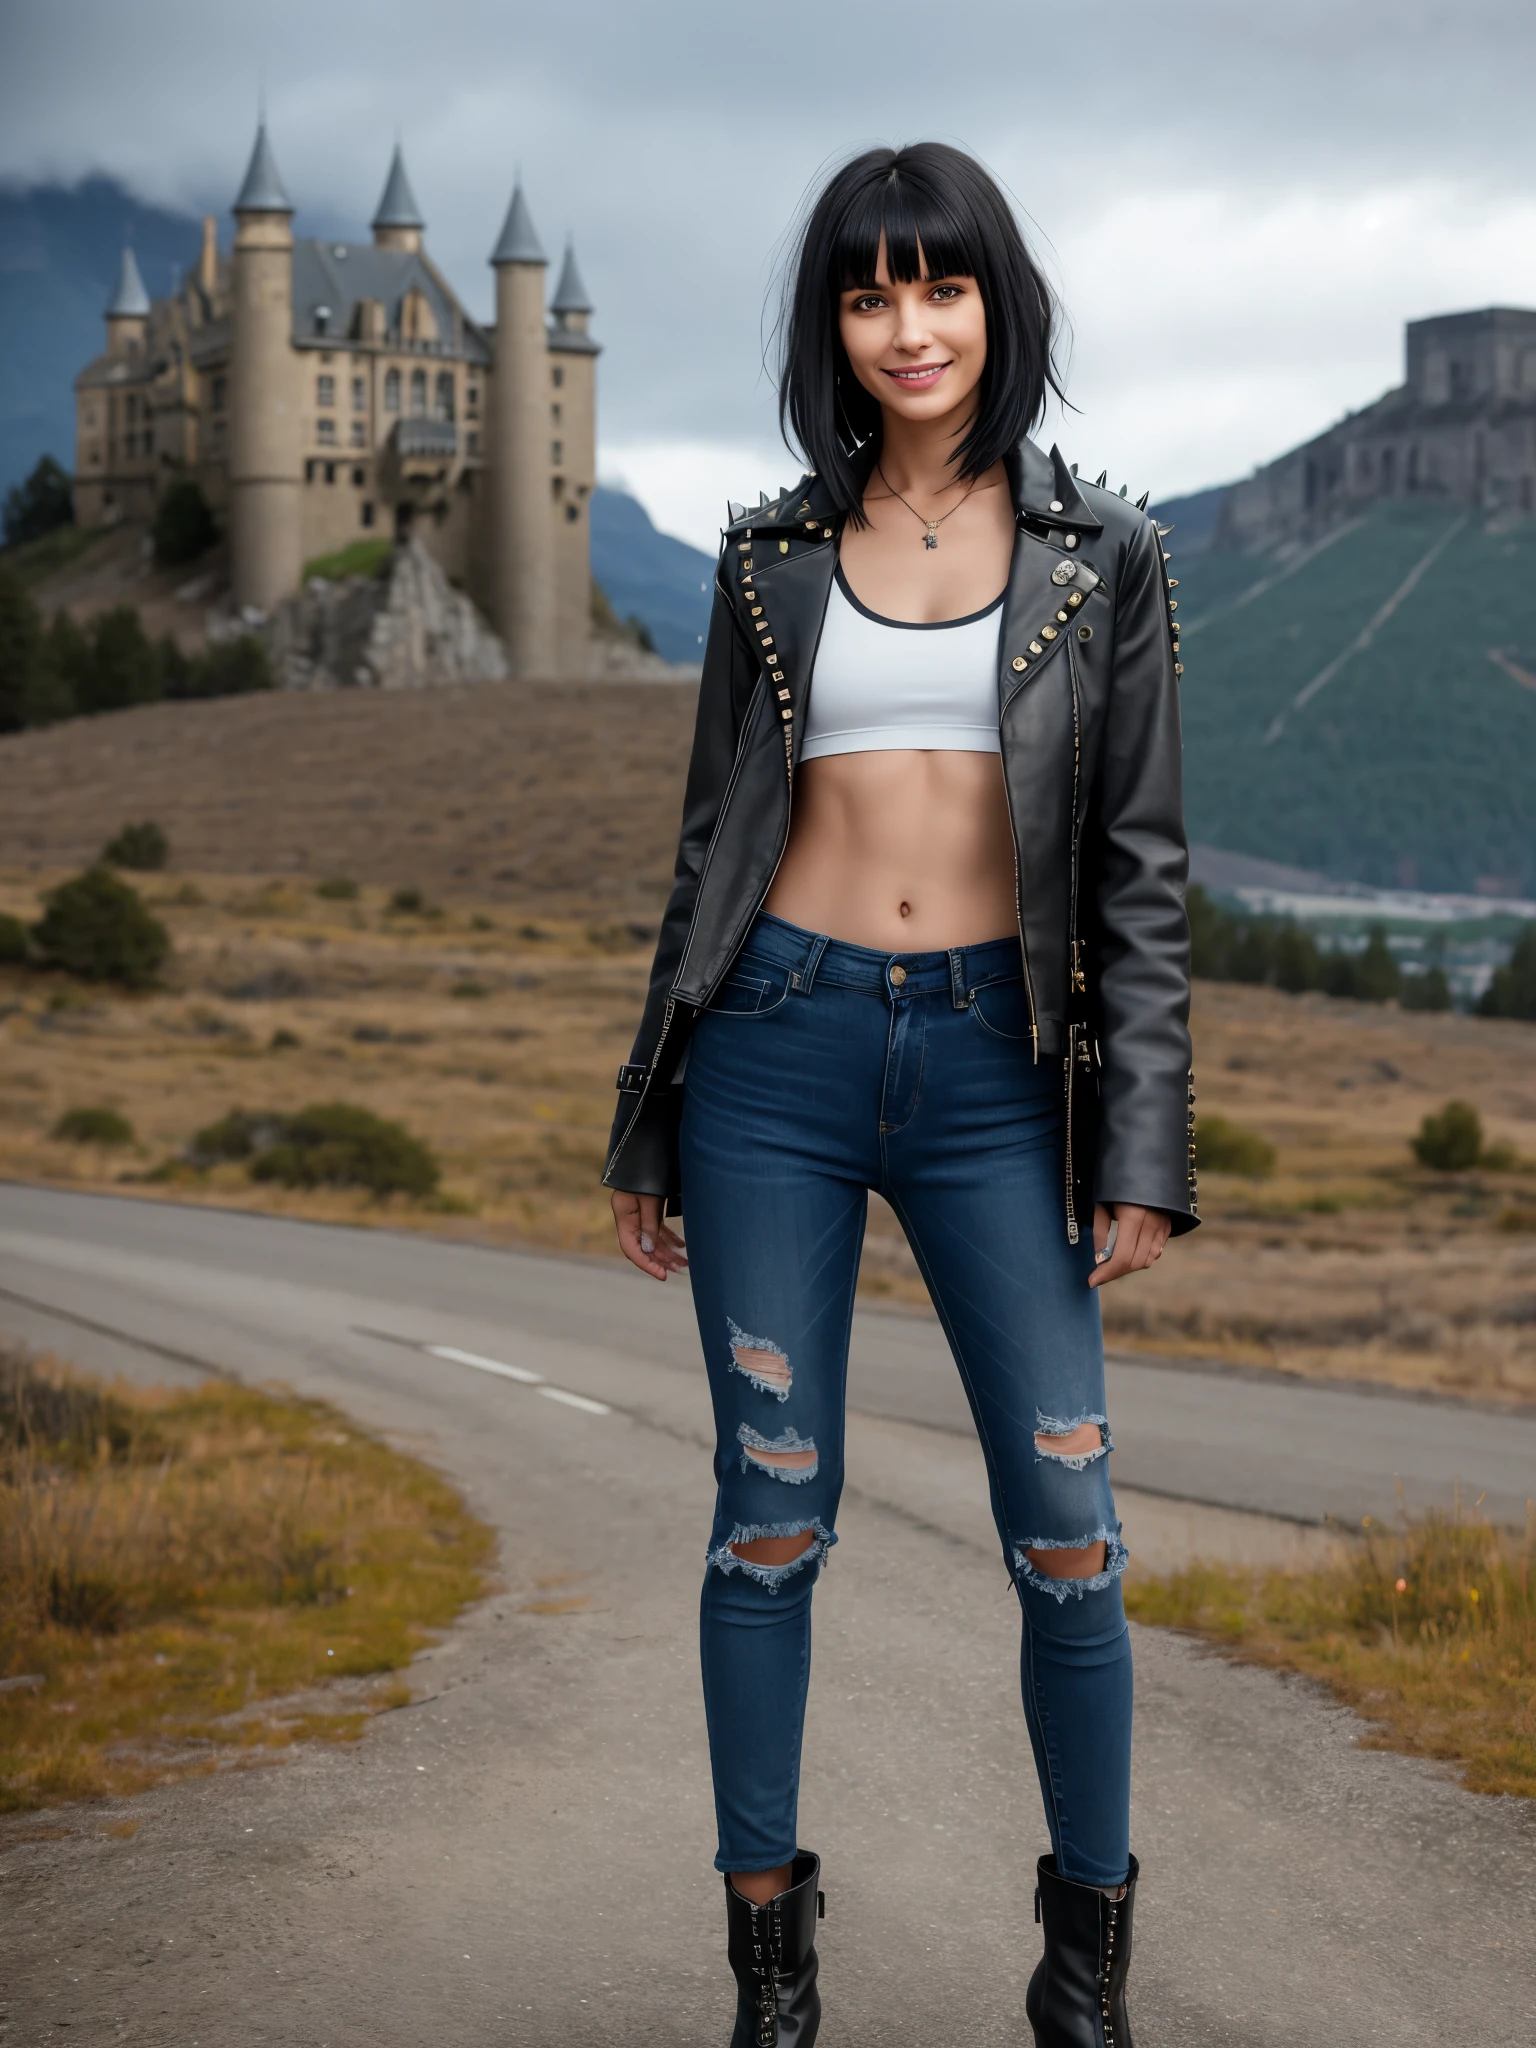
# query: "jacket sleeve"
642, 1147
1145, 1149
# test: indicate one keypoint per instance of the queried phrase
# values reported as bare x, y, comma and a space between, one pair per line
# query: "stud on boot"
1076, 1998
773, 1956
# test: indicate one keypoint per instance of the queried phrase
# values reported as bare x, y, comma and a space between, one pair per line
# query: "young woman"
927, 936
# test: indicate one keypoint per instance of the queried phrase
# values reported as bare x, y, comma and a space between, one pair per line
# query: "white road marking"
520, 1373
581, 1401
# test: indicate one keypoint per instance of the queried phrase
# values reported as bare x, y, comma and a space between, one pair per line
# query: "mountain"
648, 575
1366, 706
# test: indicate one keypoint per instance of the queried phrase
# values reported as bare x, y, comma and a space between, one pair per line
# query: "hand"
1140, 1235
644, 1238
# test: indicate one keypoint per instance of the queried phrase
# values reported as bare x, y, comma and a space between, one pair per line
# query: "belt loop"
959, 994
805, 977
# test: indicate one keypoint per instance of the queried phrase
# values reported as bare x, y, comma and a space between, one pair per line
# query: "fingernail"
647, 1242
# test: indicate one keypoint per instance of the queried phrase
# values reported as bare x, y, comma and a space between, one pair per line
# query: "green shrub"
93, 1127
184, 527
13, 940
338, 889
239, 1134
1298, 965
283, 1040
336, 1144
1427, 991
1512, 991
97, 926
362, 558
1378, 977
469, 989
21, 635
1224, 1147
39, 505
123, 668
229, 668
138, 846
408, 903
1449, 1140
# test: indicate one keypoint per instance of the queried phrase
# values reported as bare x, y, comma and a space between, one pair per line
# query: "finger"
1101, 1223
636, 1228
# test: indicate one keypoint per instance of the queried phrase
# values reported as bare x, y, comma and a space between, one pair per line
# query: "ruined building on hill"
324, 392
1460, 430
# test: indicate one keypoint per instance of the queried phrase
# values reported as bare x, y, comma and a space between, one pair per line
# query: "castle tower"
522, 583
127, 310
573, 433
398, 223
265, 455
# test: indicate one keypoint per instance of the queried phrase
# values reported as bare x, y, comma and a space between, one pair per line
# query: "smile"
929, 373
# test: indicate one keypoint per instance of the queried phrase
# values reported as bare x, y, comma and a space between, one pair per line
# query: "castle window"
1388, 470
557, 375
220, 393
132, 412
357, 479
367, 512
359, 434
473, 447
392, 391
325, 433
309, 470
554, 413
556, 452
572, 514
330, 472
445, 394
418, 394
359, 394
472, 396
325, 391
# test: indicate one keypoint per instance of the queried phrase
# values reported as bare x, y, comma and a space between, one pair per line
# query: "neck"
916, 456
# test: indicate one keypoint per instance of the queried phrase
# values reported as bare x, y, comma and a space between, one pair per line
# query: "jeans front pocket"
1001, 1008
751, 989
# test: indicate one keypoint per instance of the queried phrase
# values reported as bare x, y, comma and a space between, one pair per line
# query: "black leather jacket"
1089, 720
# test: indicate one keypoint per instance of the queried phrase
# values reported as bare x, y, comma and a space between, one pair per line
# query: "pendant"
931, 537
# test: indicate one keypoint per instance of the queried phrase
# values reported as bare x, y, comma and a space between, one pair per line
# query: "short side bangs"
941, 215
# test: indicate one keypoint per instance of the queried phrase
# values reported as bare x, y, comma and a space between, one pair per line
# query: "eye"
943, 294
868, 302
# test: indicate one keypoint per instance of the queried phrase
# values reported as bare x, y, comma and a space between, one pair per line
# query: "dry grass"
1429, 1632
543, 819
191, 1580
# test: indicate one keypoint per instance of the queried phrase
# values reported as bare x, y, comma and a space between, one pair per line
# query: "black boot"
1076, 1998
773, 1954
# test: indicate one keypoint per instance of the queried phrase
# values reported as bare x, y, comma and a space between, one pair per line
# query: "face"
918, 348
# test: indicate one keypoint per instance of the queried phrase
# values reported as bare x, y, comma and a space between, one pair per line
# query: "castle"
322, 393
1461, 430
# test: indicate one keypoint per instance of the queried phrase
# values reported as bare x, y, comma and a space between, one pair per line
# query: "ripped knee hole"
789, 1456
1084, 1563
1073, 1444
775, 1549
760, 1360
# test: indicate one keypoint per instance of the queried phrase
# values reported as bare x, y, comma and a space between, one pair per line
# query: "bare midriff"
901, 850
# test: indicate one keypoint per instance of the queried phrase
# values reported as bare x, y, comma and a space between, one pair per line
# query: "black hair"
942, 215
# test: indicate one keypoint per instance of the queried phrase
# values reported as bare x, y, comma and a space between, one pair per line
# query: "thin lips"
911, 376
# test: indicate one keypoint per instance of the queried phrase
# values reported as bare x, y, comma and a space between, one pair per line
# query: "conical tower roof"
262, 191
398, 208
129, 301
519, 243
570, 292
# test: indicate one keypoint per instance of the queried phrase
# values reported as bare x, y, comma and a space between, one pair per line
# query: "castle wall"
523, 578
265, 427
573, 456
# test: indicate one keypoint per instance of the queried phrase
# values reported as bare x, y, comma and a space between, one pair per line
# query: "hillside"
1410, 761
492, 1018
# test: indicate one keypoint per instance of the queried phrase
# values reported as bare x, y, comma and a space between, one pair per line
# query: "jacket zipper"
1079, 981
1018, 882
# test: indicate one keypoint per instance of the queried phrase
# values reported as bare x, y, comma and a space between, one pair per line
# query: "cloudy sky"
1240, 203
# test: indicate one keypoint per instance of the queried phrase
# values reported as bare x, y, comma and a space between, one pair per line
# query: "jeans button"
898, 976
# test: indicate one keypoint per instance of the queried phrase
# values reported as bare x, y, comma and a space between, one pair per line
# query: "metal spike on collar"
762, 499
735, 511
1141, 502
1102, 479
1165, 531
1125, 491
1074, 469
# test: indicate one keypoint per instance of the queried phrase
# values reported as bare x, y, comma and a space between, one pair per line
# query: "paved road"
523, 1856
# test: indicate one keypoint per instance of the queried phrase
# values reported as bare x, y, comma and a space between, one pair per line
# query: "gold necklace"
931, 537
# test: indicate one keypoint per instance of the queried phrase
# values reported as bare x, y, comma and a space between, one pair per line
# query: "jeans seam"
895, 1130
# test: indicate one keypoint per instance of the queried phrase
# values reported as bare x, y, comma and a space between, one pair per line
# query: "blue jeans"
820, 1071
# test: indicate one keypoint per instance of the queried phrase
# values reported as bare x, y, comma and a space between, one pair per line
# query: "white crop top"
881, 683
